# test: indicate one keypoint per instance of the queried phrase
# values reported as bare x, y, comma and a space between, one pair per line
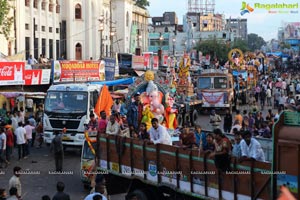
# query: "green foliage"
215, 48
142, 3
255, 42
5, 20
240, 44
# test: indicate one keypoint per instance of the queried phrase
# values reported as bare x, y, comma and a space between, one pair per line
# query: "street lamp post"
101, 28
161, 38
174, 41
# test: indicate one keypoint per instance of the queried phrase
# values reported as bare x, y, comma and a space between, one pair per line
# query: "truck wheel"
179, 120
194, 117
139, 194
187, 118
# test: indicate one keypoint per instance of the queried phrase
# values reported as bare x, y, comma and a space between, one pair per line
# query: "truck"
168, 172
215, 88
67, 107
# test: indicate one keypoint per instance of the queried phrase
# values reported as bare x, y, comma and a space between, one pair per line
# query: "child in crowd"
236, 151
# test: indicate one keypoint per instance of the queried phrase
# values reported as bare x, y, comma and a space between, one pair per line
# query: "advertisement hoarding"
138, 63
110, 64
65, 71
15, 73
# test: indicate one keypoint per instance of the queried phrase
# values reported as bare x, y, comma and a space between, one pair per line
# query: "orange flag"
104, 102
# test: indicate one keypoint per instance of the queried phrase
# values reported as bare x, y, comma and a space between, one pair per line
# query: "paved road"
34, 186
43, 183
203, 119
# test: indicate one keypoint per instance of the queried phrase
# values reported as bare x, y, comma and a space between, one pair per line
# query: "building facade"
238, 27
38, 28
211, 22
84, 30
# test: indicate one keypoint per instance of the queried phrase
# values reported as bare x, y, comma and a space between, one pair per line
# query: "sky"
260, 21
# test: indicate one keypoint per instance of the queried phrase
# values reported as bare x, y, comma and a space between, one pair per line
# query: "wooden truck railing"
185, 171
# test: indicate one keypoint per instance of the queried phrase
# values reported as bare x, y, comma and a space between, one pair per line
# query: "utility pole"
101, 28
111, 34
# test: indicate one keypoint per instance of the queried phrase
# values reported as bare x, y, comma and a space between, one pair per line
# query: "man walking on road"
60, 195
215, 120
14, 181
20, 133
58, 150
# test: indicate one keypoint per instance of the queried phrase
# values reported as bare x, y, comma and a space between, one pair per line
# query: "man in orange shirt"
238, 117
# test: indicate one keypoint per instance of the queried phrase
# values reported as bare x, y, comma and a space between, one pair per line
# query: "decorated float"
157, 99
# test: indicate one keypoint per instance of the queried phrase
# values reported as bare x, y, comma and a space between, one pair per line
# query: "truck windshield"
87, 153
66, 102
220, 82
204, 83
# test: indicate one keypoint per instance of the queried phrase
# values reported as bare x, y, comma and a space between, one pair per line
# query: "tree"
240, 44
6, 21
142, 3
255, 42
215, 48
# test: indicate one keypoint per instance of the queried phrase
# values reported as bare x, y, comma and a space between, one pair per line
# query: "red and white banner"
138, 63
78, 70
147, 63
213, 97
155, 63
37, 76
11, 73
165, 60
14, 73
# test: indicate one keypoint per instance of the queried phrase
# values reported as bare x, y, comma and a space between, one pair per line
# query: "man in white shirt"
112, 127
251, 148
14, 181
159, 133
2, 147
14, 120
20, 134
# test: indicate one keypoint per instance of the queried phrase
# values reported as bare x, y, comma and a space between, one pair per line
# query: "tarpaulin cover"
124, 81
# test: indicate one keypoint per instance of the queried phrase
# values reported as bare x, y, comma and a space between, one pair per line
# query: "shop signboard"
66, 71
15, 73
11, 73
155, 63
138, 63
110, 64
147, 60
37, 76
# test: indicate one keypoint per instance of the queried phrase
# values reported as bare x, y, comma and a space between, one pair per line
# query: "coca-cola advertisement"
37, 76
11, 73
14, 73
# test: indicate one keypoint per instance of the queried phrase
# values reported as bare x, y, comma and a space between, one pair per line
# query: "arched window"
78, 11
78, 52
127, 19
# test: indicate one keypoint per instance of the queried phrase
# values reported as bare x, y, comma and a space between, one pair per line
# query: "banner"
37, 76
155, 63
64, 71
138, 63
213, 97
165, 60
11, 73
14, 73
110, 64
147, 61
